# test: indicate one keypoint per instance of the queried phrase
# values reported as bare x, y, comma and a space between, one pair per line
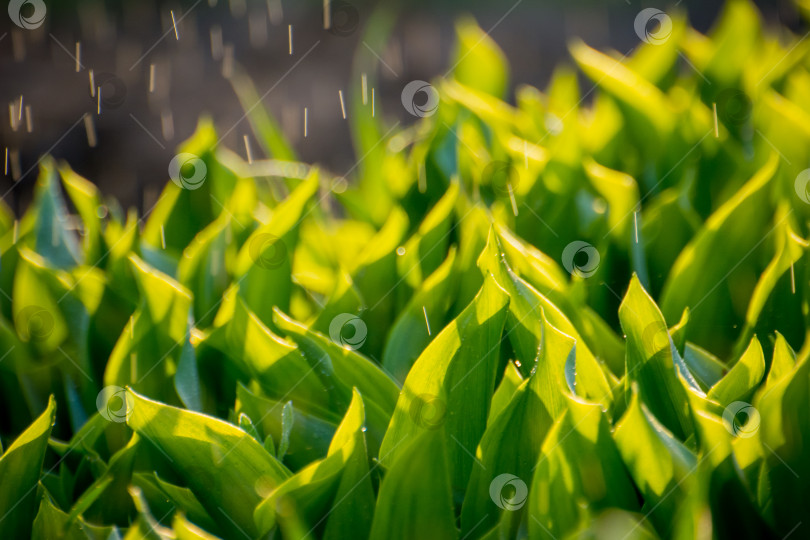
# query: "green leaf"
180, 213
512, 441
87, 200
734, 40
20, 468
228, 471
52, 239
488, 108
790, 247
579, 472
618, 523
202, 269
509, 384
706, 368
743, 378
264, 263
247, 426
523, 321
415, 499
309, 437
731, 233
146, 526
524, 324
334, 492
270, 446
339, 370
278, 365
548, 278
186, 530
351, 367
655, 59
653, 362
396, 346
479, 62
451, 384
659, 464
89, 497
410, 333
627, 86
783, 419
374, 275
38, 316
621, 193
287, 420
719, 469
344, 297
53, 523
668, 222
473, 231
782, 362
155, 342
425, 250
181, 498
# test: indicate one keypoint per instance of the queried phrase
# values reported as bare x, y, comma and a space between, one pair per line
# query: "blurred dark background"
137, 131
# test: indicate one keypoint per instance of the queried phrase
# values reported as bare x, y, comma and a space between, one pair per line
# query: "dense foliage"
575, 315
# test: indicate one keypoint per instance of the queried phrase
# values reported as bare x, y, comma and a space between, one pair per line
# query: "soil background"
138, 131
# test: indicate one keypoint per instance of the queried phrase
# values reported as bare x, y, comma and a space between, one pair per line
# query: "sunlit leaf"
228, 471
534, 406
479, 62
333, 495
579, 471
739, 383
653, 362
20, 467
659, 464
450, 385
